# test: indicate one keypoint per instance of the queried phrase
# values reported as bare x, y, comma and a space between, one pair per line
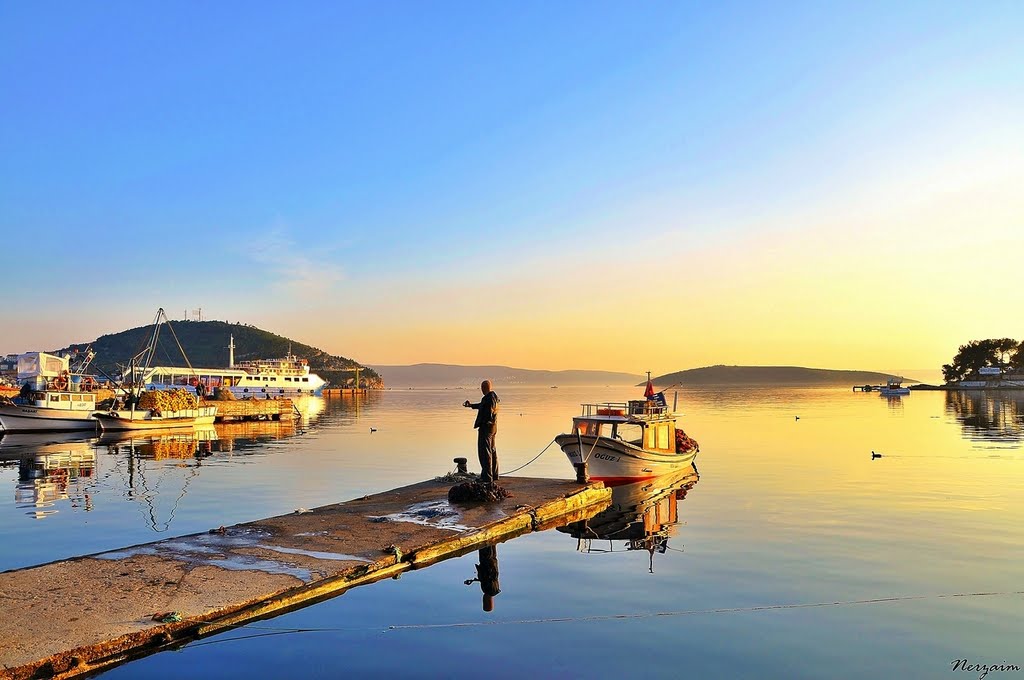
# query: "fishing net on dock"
685, 444
476, 492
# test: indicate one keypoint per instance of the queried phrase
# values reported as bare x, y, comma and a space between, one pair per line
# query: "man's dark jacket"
487, 412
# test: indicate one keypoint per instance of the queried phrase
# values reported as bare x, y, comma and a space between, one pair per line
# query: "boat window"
288, 379
591, 428
649, 438
54, 397
305, 380
662, 437
65, 397
631, 433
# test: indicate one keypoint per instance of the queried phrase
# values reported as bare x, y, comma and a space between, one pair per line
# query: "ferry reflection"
52, 468
643, 516
988, 416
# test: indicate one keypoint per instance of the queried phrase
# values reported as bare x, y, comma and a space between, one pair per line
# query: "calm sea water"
795, 555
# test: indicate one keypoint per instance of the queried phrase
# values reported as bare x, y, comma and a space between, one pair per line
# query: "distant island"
206, 344
449, 375
772, 375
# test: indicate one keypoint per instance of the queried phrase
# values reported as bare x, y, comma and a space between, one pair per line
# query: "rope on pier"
506, 474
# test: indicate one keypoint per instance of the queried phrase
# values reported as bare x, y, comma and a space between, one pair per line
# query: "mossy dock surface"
87, 613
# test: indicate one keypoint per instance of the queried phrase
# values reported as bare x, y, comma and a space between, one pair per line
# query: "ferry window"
266, 377
288, 379
65, 397
305, 380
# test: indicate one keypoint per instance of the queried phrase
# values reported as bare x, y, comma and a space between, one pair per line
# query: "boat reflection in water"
53, 468
162, 444
643, 516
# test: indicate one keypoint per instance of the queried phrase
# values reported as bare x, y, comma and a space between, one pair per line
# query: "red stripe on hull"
612, 481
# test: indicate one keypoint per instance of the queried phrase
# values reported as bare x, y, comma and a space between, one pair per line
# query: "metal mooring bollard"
581, 473
461, 463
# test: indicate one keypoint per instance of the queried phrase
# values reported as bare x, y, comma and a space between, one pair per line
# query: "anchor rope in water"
272, 631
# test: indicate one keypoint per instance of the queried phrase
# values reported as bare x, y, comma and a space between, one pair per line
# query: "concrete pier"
88, 613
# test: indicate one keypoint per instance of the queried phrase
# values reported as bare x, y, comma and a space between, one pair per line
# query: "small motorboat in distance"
893, 388
629, 441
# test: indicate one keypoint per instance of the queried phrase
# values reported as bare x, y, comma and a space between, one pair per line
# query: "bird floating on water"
875, 455
373, 429
796, 417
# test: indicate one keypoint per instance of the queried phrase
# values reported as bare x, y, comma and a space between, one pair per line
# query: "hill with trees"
772, 375
1005, 353
206, 344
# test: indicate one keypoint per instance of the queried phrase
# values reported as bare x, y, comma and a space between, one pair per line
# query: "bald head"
485, 386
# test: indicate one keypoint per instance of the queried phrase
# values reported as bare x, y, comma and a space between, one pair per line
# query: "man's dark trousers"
488, 456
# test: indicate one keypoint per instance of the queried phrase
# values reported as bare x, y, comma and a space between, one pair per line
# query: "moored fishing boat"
157, 409
155, 419
54, 397
628, 441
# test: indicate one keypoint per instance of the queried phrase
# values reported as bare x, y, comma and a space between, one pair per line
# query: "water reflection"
894, 402
487, 575
988, 416
53, 468
642, 516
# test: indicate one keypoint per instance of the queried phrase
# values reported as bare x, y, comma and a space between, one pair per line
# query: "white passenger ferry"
262, 378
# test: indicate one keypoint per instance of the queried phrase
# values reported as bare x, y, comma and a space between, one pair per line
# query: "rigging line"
180, 348
505, 474
270, 630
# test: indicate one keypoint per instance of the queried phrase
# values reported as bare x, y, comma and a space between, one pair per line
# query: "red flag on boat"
649, 392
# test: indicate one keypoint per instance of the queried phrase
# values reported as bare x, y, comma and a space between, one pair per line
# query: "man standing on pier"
487, 426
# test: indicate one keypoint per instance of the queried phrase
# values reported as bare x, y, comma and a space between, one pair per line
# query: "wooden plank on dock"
88, 613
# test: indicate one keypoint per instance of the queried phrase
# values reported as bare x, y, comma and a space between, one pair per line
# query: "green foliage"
206, 344
978, 354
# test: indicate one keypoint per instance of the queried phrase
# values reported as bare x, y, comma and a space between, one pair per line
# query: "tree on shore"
977, 354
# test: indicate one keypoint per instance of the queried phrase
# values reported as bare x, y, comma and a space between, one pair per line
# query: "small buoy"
875, 455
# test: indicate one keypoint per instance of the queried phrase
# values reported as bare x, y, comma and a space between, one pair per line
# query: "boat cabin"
640, 423
62, 401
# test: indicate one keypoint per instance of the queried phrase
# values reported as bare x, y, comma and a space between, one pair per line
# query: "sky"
621, 186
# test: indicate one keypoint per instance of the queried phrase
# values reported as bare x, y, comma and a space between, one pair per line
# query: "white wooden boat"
55, 397
894, 388
626, 442
152, 419
49, 411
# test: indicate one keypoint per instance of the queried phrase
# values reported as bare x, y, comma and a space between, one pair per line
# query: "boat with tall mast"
153, 410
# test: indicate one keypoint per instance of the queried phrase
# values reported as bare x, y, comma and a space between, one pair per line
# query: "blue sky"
380, 179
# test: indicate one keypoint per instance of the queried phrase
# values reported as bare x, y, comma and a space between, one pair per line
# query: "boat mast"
231, 352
